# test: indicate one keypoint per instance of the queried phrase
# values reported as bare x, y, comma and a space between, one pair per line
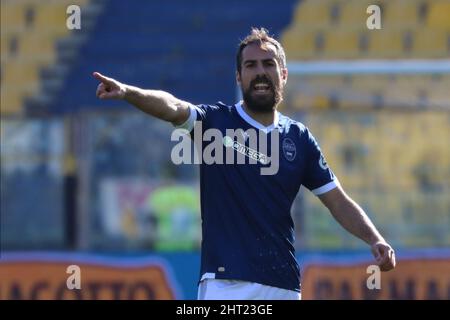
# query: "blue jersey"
247, 229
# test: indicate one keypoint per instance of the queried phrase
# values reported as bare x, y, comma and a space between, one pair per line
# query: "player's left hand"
384, 255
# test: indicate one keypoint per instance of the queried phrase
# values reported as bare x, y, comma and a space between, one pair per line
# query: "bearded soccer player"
247, 230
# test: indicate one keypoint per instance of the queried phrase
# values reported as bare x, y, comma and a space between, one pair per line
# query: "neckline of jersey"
247, 118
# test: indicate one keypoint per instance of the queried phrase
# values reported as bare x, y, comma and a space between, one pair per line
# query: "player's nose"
260, 70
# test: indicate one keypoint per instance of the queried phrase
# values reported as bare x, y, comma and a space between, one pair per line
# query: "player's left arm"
353, 218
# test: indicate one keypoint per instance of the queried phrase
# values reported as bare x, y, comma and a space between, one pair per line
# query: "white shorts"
216, 289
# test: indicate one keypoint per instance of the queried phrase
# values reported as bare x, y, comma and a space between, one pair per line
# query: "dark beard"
262, 104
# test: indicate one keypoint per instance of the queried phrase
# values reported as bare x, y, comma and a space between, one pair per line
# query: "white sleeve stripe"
325, 188
208, 275
189, 123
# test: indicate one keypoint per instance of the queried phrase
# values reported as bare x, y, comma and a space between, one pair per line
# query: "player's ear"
238, 78
284, 75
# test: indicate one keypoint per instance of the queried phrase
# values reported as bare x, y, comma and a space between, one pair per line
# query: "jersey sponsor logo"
243, 149
227, 142
244, 135
251, 143
289, 149
323, 163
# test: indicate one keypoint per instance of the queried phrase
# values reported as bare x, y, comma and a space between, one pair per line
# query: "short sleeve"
189, 123
199, 112
318, 176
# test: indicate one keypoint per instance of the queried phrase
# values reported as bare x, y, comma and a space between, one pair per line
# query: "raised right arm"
157, 103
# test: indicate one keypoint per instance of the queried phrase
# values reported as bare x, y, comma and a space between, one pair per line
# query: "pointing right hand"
109, 88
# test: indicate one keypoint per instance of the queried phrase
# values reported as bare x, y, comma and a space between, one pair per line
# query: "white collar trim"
253, 122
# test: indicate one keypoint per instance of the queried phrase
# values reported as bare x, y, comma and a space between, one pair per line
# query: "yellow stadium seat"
354, 13
321, 101
4, 45
429, 43
37, 47
51, 17
356, 99
299, 44
444, 80
341, 44
11, 100
20, 73
325, 81
393, 97
371, 83
300, 101
13, 96
439, 98
313, 13
12, 16
400, 13
438, 16
411, 82
385, 44
306, 100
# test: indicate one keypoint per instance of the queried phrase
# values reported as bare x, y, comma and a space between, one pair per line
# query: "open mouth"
261, 88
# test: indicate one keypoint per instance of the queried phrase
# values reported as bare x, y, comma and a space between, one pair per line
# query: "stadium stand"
372, 127
412, 30
31, 31
187, 49
392, 168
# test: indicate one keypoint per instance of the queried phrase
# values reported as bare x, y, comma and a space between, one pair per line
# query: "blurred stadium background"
91, 183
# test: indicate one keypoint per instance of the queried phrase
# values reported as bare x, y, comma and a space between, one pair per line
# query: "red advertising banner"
50, 280
411, 279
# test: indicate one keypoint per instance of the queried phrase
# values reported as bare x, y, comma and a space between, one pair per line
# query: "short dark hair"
262, 37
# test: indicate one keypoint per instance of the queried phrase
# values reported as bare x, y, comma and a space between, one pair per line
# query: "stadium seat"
401, 13
353, 14
51, 17
5, 46
403, 35
32, 27
299, 44
313, 13
438, 98
341, 43
394, 97
438, 16
20, 73
37, 47
412, 82
386, 44
370, 82
12, 16
431, 43
11, 100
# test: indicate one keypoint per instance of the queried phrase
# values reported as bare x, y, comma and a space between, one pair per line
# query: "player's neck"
265, 118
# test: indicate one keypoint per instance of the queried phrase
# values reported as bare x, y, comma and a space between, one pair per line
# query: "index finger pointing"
101, 77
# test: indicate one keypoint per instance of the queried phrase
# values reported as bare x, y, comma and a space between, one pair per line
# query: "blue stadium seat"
182, 47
